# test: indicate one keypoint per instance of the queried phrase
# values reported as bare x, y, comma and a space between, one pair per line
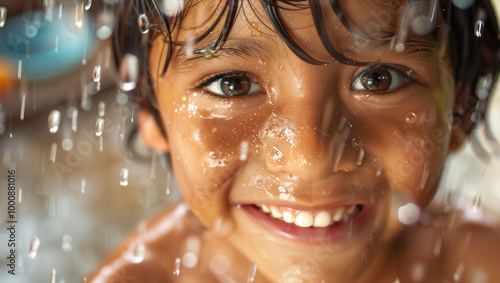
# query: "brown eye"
235, 85
232, 85
378, 79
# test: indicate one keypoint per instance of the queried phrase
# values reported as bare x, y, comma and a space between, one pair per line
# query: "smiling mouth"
337, 225
317, 219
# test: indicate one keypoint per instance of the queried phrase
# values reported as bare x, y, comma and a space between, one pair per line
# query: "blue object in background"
47, 45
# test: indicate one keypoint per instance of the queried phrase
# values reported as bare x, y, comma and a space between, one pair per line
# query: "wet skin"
306, 138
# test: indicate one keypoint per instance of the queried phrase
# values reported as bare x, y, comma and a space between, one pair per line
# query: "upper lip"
338, 189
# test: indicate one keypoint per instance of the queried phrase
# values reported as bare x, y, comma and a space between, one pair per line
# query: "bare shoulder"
148, 254
458, 246
472, 246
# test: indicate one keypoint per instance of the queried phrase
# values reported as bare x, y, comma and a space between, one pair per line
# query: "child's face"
354, 142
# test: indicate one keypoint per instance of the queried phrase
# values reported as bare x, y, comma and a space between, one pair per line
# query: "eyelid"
214, 77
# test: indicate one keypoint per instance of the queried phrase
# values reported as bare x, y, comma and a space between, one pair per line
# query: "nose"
308, 134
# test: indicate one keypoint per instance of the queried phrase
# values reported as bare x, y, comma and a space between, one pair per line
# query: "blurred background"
65, 128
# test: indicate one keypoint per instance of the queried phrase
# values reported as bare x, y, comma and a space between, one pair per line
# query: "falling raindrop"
361, 157
243, 150
74, 120
3, 16
422, 25
67, 243
139, 253
409, 213
53, 153
479, 28
251, 273
476, 203
88, 5
101, 144
122, 127
54, 121
56, 44
143, 23
53, 276
60, 11
99, 127
35, 244
177, 269
19, 68
83, 184
96, 73
101, 109
124, 177
129, 72
459, 272
190, 257
437, 245
104, 25
78, 16
23, 105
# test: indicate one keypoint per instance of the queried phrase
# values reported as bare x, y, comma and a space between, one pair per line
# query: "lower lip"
337, 233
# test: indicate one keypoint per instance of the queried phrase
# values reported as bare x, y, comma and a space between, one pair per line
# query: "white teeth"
308, 219
338, 214
304, 219
265, 208
322, 219
275, 212
288, 216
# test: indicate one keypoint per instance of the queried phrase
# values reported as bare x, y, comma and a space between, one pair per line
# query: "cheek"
411, 141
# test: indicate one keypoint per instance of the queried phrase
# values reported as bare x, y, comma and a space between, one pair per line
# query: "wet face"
308, 170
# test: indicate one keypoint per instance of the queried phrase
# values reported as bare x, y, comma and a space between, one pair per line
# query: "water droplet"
124, 177
19, 68
459, 272
35, 244
3, 16
243, 150
122, 99
99, 127
53, 280
67, 243
143, 23
56, 44
74, 120
422, 25
101, 109
129, 72
96, 73
60, 10
276, 156
408, 214
463, 4
23, 105
479, 28
67, 144
83, 184
251, 273
361, 157
177, 269
104, 25
78, 16
357, 144
54, 121
476, 203
53, 152
479, 276
280, 67
139, 253
410, 118
88, 5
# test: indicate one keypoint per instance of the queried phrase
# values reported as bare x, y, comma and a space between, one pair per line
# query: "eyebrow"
241, 48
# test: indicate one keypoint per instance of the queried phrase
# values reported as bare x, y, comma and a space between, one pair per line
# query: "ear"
150, 131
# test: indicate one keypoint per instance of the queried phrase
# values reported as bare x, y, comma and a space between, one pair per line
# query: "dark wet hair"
474, 53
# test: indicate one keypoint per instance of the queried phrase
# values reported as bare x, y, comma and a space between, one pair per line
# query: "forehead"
350, 27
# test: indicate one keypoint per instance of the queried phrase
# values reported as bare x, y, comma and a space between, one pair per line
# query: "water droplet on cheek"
410, 118
356, 144
243, 150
